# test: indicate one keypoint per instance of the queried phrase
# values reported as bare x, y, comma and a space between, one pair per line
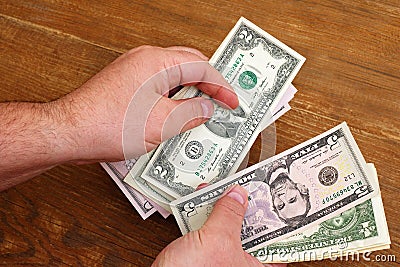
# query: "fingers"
185, 114
227, 216
222, 93
165, 68
157, 71
184, 67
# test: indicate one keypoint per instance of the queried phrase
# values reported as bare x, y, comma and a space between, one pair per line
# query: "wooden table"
75, 215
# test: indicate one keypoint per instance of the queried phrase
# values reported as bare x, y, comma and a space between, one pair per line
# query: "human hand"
129, 99
217, 243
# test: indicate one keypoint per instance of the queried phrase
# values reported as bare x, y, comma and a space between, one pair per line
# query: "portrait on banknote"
225, 122
289, 200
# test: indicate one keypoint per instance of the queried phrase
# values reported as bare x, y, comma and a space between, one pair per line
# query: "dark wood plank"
48, 48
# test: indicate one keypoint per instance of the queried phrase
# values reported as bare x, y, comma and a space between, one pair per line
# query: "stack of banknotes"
316, 200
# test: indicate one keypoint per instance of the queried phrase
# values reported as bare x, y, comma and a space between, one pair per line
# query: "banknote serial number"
234, 67
206, 159
349, 189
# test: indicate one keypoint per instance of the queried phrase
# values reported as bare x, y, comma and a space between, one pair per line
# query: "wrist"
70, 136
57, 132
87, 134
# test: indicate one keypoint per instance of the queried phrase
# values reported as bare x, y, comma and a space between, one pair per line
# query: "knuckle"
142, 48
231, 207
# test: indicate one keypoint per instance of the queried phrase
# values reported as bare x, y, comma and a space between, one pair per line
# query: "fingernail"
208, 108
237, 194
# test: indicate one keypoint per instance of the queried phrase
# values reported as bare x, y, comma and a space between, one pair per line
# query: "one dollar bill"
301, 187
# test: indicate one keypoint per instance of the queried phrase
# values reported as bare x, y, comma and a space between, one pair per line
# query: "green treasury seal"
247, 80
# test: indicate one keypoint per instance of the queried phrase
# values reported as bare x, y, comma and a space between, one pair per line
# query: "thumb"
227, 215
186, 114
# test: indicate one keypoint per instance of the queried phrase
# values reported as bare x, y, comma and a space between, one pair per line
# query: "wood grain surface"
75, 215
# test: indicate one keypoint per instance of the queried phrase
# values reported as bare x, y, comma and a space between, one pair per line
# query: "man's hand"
127, 102
217, 243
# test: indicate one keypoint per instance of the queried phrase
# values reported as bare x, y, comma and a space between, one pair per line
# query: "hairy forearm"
33, 138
